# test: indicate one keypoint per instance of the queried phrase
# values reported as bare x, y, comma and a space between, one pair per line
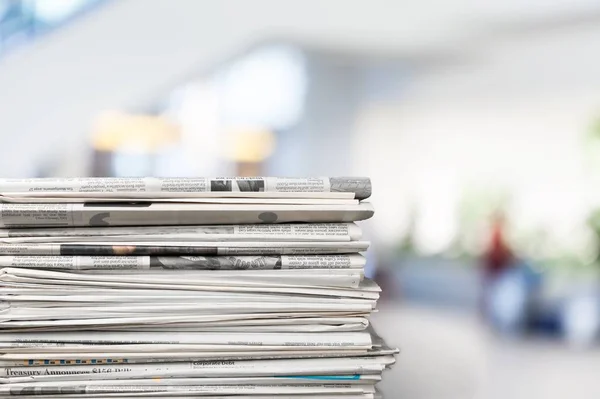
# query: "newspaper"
365, 379
246, 232
23, 360
35, 300
37, 280
194, 386
168, 214
326, 384
117, 358
353, 339
168, 390
110, 324
212, 368
42, 296
274, 262
122, 316
202, 311
24, 312
231, 312
20, 198
207, 369
127, 395
342, 278
289, 322
308, 328
368, 290
211, 248
241, 278
144, 349
196, 324
360, 187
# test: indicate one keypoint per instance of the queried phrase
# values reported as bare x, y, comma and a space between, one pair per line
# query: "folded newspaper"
187, 287
173, 214
24, 190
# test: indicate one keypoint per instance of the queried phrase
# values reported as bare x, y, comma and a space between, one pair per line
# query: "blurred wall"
130, 52
320, 145
514, 114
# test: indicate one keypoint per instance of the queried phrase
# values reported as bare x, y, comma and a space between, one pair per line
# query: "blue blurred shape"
511, 298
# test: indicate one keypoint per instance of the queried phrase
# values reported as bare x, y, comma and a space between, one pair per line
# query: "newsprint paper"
243, 232
261, 262
274, 187
168, 214
229, 288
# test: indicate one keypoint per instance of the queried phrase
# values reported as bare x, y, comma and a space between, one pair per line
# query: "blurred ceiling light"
249, 145
264, 88
138, 133
53, 11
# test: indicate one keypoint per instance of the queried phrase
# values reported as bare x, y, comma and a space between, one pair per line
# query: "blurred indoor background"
478, 122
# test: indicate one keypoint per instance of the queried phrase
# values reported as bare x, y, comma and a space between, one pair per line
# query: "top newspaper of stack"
101, 202
152, 188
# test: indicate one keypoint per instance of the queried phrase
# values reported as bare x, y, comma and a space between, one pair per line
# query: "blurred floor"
451, 355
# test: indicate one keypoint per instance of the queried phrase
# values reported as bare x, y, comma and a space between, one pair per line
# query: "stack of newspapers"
187, 287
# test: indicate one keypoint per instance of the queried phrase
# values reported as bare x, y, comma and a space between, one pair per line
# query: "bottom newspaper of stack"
154, 332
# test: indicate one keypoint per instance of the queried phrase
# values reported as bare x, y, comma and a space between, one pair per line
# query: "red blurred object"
498, 255
497, 258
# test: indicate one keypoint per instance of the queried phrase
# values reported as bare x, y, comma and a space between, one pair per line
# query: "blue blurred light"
581, 319
56, 11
